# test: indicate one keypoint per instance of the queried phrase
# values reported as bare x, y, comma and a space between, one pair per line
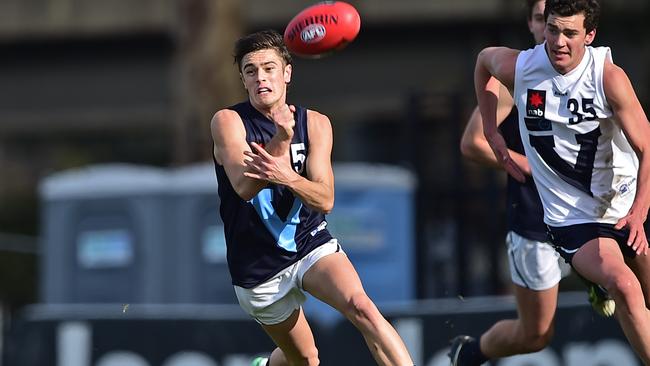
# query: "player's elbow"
469, 148
480, 58
245, 191
465, 147
327, 206
244, 194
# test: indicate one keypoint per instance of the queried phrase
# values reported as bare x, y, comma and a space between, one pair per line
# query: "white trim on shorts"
535, 265
273, 301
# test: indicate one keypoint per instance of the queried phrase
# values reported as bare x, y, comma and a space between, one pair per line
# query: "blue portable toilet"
374, 220
199, 241
103, 235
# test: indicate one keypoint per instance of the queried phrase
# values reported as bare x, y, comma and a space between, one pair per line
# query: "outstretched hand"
637, 239
264, 166
500, 149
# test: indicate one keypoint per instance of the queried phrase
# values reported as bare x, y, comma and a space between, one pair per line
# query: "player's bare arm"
495, 66
629, 113
230, 148
473, 144
315, 191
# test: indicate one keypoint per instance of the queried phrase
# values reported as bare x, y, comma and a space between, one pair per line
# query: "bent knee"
624, 287
537, 341
359, 307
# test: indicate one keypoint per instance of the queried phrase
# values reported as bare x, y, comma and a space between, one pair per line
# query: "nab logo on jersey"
535, 103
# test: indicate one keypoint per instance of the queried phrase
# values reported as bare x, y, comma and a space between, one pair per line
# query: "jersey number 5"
298, 157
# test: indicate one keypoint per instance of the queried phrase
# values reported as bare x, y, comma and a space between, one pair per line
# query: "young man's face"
566, 39
265, 77
536, 22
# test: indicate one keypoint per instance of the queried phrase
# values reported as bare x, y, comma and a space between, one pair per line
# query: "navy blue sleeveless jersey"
525, 213
274, 229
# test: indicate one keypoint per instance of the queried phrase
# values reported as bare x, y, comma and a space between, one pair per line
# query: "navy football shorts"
568, 239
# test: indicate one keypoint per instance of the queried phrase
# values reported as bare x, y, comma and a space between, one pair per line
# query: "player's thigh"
600, 260
640, 265
293, 336
333, 280
536, 309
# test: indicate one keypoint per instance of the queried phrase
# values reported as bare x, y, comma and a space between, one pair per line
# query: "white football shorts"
534, 264
275, 300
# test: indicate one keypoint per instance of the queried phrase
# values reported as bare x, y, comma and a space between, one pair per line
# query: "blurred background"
108, 207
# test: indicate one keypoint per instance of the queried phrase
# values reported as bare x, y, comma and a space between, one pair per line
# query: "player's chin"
265, 99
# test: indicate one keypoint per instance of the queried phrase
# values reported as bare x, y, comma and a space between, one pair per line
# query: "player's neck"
266, 110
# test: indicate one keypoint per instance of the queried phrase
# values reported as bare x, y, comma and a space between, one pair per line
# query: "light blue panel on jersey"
284, 232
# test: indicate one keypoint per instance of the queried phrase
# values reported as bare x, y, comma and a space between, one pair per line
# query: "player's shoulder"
613, 75
226, 119
225, 115
317, 117
616, 83
318, 125
537, 51
499, 54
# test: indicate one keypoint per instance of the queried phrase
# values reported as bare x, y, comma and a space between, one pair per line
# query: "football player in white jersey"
587, 140
535, 266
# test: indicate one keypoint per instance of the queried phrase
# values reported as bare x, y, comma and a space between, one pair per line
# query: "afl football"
322, 28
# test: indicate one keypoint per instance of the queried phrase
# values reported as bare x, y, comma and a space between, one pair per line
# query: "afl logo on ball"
313, 33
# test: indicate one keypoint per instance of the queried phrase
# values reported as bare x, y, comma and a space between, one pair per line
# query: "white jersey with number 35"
583, 165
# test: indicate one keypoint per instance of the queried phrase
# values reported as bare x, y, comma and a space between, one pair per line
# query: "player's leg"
295, 342
641, 267
600, 260
276, 306
640, 264
535, 272
530, 332
333, 280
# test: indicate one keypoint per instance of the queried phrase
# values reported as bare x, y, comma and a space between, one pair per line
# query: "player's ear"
241, 78
590, 37
287, 74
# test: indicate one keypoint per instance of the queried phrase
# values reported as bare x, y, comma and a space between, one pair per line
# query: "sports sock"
471, 354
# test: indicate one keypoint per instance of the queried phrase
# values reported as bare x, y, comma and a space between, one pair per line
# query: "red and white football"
322, 29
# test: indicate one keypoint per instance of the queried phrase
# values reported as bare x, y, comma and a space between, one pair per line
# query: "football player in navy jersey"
273, 166
587, 141
535, 268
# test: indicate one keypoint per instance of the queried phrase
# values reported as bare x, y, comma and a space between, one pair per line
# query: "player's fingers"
250, 156
642, 240
259, 149
621, 223
632, 239
643, 247
292, 108
253, 175
254, 157
639, 244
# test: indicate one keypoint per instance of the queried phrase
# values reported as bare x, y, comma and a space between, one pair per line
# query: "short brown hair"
567, 8
262, 40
